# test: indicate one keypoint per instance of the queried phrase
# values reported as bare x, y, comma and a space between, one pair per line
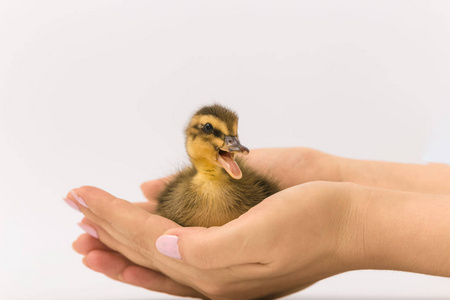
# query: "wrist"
316, 165
401, 231
357, 171
340, 212
350, 246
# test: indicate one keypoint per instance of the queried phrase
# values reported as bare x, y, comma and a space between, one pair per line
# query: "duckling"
218, 187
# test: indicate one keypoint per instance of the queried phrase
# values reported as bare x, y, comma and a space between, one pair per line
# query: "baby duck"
218, 187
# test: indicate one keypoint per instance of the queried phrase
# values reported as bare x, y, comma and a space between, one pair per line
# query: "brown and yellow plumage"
217, 188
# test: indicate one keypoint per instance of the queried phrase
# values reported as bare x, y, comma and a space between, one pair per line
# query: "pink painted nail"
168, 245
89, 230
78, 198
71, 204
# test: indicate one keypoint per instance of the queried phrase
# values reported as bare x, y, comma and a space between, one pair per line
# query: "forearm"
293, 166
403, 231
431, 178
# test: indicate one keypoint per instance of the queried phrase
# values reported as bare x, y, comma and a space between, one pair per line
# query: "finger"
86, 243
117, 267
139, 255
248, 240
151, 189
103, 232
149, 206
106, 262
101, 235
146, 256
122, 216
120, 225
213, 248
155, 281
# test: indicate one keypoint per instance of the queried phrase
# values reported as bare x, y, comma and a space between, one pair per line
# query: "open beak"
226, 156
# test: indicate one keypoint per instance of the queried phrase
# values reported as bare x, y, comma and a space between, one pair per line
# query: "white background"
98, 93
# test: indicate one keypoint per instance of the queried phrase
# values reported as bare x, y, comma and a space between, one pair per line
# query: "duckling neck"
207, 170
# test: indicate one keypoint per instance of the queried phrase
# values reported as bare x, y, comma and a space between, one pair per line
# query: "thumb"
151, 189
211, 248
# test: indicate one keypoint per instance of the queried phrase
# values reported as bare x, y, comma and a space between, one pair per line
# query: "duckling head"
212, 142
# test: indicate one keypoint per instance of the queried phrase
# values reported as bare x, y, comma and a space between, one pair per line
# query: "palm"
101, 258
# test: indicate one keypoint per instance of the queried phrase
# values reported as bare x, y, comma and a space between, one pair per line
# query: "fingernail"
168, 245
89, 230
78, 198
71, 204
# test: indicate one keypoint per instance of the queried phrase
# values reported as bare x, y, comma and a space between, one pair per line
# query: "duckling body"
217, 188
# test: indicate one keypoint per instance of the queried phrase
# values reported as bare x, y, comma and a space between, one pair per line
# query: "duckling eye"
208, 128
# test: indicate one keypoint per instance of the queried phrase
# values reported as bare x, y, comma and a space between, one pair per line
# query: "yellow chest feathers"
214, 201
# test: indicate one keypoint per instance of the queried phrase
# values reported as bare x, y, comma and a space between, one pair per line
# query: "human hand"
282, 245
100, 258
293, 166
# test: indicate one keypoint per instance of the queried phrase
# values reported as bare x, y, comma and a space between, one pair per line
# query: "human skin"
295, 166
343, 226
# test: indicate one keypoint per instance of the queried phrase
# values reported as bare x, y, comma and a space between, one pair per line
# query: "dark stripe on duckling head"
218, 133
226, 115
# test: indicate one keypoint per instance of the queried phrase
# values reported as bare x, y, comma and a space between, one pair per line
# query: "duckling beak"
233, 145
226, 156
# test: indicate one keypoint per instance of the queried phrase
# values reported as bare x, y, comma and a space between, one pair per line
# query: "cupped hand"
289, 166
100, 258
287, 242
293, 166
